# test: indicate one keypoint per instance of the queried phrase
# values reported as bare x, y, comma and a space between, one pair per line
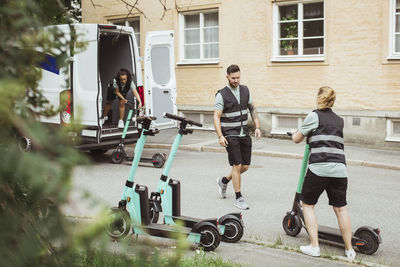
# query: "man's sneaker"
221, 188
310, 250
103, 120
120, 124
241, 204
350, 254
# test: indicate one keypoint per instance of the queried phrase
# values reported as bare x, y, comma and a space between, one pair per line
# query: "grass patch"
202, 259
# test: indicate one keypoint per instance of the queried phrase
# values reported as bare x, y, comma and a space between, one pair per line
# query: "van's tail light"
65, 114
141, 94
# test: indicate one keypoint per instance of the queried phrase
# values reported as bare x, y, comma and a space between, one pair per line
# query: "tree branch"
134, 6
164, 7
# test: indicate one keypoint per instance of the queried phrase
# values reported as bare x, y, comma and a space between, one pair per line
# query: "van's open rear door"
85, 77
160, 81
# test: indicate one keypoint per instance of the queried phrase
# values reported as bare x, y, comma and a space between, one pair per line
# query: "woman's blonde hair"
326, 97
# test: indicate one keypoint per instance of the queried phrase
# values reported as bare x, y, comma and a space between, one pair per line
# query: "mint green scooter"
167, 197
133, 209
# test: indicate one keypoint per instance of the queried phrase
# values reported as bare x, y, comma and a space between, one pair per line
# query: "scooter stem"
138, 154
172, 154
304, 165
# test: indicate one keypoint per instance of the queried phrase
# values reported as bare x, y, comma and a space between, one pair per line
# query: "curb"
199, 148
297, 250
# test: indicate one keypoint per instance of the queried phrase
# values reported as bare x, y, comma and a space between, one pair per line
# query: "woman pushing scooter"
326, 170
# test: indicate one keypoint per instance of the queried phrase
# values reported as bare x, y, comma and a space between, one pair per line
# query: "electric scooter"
133, 209
119, 154
168, 200
366, 238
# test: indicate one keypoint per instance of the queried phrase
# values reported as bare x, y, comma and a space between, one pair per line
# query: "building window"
199, 40
281, 124
131, 22
393, 130
299, 31
394, 40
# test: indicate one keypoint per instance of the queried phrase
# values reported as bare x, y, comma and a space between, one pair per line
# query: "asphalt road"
268, 187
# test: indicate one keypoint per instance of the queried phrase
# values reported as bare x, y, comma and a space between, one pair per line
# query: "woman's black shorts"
314, 185
239, 150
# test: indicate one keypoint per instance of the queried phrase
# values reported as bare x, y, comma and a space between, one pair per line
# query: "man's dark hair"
232, 69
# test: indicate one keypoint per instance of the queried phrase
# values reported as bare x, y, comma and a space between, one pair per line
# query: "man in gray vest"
230, 122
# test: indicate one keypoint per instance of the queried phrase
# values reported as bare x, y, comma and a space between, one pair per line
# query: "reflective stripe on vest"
233, 124
327, 150
234, 114
317, 138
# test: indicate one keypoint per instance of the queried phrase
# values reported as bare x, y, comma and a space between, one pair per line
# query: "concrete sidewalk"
206, 141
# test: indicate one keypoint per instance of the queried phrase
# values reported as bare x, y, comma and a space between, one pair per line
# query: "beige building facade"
286, 50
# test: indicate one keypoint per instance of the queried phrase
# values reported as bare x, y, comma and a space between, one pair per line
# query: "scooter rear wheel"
158, 160
371, 245
119, 223
292, 225
233, 231
210, 238
117, 157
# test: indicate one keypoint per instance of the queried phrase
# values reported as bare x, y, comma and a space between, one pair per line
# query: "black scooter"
366, 238
119, 154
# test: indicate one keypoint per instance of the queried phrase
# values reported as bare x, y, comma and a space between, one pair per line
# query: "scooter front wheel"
117, 157
158, 160
210, 237
233, 231
291, 224
118, 224
371, 245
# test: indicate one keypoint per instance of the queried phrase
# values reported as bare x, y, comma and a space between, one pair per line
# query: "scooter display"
167, 198
133, 209
120, 154
366, 239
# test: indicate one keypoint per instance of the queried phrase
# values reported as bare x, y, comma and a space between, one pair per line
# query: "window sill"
392, 139
280, 131
197, 62
393, 57
297, 58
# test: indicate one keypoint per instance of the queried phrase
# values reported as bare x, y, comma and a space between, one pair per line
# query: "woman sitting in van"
120, 86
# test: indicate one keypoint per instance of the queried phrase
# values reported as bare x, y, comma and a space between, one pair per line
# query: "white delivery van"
109, 48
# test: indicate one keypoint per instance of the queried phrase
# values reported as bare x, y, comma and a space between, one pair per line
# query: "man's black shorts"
314, 185
110, 94
239, 150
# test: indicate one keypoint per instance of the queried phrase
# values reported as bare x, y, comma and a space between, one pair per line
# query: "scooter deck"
164, 230
330, 234
191, 221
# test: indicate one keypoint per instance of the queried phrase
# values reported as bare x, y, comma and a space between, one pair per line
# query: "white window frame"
201, 60
389, 130
392, 22
126, 21
275, 123
275, 32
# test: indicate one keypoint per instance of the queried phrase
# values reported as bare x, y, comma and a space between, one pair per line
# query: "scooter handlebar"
179, 118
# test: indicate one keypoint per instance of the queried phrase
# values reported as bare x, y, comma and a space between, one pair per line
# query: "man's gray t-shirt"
324, 169
219, 102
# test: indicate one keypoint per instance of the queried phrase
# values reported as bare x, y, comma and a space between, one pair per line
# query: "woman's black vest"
234, 115
326, 142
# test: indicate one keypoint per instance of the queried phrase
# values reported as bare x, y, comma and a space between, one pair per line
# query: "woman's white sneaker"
310, 250
120, 124
350, 254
